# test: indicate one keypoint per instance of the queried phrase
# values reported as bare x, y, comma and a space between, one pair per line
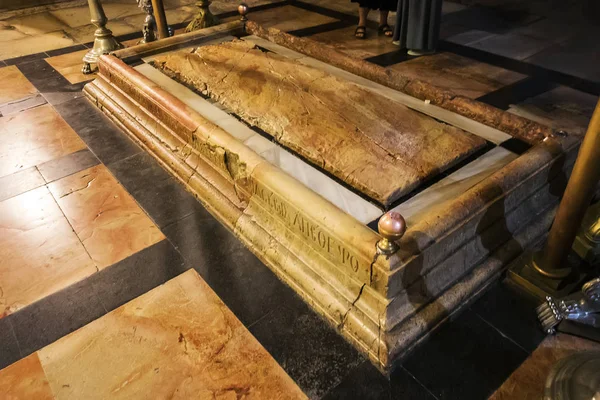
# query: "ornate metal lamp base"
104, 43
524, 274
204, 18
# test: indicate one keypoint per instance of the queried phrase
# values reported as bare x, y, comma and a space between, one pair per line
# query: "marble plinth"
385, 306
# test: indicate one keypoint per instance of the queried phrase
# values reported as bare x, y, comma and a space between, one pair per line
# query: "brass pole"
551, 262
161, 19
104, 41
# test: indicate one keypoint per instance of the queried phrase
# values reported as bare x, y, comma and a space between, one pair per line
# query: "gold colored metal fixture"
104, 41
547, 271
204, 18
243, 11
392, 227
161, 19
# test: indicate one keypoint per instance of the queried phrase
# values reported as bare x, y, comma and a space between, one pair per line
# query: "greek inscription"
306, 228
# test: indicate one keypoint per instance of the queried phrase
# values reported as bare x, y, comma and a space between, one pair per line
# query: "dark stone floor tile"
67, 165
65, 50
137, 274
512, 313
20, 182
488, 19
404, 386
9, 347
364, 382
23, 104
104, 138
25, 59
465, 359
45, 78
242, 281
55, 316
309, 350
56, 98
163, 198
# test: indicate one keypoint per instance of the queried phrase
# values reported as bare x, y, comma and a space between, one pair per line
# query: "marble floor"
115, 282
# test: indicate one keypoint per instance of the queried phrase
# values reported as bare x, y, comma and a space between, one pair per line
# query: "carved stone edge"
178, 41
517, 126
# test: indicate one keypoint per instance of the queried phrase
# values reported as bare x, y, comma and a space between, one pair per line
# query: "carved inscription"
313, 233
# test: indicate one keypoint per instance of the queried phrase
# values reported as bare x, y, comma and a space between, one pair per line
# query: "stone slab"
328, 122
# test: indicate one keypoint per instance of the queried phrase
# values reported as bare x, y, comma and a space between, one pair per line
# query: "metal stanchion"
547, 271
161, 19
104, 41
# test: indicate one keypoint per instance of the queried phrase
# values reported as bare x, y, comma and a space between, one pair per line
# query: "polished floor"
116, 283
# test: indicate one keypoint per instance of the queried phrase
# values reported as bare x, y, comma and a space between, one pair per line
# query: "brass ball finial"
392, 227
243, 10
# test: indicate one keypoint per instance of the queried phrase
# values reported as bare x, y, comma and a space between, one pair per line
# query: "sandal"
385, 30
360, 32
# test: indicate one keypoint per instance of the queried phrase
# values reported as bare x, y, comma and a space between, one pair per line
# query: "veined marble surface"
177, 341
474, 127
454, 184
317, 181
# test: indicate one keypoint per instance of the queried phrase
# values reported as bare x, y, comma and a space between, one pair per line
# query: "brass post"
104, 41
161, 19
204, 18
576, 199
547, 272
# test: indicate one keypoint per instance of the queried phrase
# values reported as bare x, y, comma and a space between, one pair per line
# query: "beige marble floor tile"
85, 33
344, 40
177, 341
34, 44
20, 182
35, 24
461, 75
561, 108
39, 253
8, 33
108, 221
25, 379
527, 382
19, 87
34, 136
289, 18
69, 65
80, 16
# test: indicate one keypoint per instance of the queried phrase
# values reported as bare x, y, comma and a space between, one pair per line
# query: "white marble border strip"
455, 184
311, 177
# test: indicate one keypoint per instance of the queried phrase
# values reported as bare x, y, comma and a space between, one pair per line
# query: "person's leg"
361, 30
384, 28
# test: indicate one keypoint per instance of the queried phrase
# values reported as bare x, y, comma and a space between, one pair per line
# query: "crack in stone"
345, 316
88, 184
